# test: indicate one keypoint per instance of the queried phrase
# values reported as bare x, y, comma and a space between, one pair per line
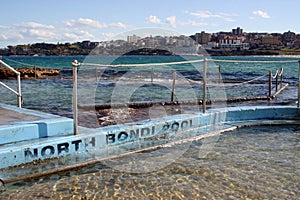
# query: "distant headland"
235, 42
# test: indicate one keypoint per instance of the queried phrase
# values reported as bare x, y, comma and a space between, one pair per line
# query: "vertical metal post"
152, 74
96, 74
173, 87
34, 72
75, 64
19, 91
281, 77
0, 62
219, 73
277, 80
204, 84
270, 83
298, 103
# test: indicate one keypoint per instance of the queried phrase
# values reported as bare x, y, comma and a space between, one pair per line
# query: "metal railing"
276, 76
18, 91
205, 61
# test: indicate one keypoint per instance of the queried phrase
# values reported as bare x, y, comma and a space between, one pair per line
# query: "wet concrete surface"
7, 116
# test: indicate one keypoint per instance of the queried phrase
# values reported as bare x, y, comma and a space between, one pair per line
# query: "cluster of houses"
237, 39
234, 40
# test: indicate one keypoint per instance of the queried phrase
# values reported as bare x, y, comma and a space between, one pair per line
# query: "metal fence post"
152, 74
298, 103
34, 72
173, 87
270, 83
219, 73
19, 91
204, 84
75, 65
281, 77
277, 80
96, 74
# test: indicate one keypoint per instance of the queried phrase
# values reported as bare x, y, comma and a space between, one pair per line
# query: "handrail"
76, 64
182, 62
281, 72
18, 92
276, 76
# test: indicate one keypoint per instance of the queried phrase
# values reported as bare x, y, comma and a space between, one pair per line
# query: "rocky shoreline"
29, 73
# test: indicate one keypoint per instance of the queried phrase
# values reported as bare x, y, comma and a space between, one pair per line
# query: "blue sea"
54, 95
250, 163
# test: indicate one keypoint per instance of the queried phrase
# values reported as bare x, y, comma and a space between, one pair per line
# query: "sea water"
97, 85
250, 163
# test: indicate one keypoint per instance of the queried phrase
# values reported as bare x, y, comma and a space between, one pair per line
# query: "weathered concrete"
19, 124
14, 116
107, 141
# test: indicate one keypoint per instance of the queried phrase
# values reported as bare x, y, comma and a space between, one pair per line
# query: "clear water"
250, 163
134, 84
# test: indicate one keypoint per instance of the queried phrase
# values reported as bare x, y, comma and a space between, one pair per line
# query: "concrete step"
20, 124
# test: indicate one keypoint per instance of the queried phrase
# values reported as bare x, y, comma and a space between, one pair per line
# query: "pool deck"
28, 137
19, 124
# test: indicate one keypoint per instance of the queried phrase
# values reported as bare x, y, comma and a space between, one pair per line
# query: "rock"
28, 73
2, 187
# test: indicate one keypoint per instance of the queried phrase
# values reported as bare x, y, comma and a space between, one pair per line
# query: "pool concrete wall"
56, 145
35, 125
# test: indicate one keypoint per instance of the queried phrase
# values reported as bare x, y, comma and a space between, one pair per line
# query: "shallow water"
250, 163
130, 84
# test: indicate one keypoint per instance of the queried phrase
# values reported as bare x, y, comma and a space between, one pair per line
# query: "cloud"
207, 14
34, 30
261, 14
28, 32
118, 25
72, 30
79, 35
90, 23
194, 23
204, 14
40, 34
172, 21
11, 37
153, 19
84, 22
34, 25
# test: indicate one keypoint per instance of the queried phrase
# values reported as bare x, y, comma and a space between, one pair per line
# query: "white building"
232, 43
133, 38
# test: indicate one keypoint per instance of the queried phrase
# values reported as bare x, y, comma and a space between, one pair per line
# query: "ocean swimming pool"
188, 176
257, 162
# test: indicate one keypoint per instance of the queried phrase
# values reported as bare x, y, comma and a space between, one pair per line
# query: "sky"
53, 21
